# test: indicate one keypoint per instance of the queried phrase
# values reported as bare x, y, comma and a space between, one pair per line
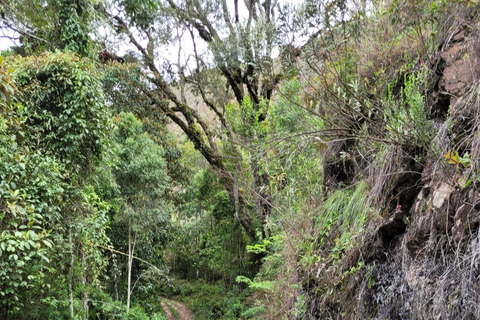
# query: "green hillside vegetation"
317, 160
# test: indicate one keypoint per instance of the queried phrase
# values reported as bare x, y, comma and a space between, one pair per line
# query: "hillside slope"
420, 258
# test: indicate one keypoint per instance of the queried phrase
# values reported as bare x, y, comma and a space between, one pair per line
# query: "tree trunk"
115, 285
191, 123
70, 282
84, 283
129, 264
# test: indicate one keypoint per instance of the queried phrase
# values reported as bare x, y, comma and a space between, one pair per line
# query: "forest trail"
175, 310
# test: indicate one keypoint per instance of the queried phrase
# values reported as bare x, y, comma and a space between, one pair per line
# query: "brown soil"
182, 312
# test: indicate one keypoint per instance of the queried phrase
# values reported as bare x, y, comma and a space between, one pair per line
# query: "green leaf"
467, 183
44, 257
47, 243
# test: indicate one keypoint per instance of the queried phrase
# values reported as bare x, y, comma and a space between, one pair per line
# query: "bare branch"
180, 68
226, 17
209, 103
125, 254
191, 17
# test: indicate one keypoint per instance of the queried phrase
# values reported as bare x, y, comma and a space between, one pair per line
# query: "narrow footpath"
175, 310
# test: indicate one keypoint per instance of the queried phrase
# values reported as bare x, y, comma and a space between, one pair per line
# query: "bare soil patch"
175, 310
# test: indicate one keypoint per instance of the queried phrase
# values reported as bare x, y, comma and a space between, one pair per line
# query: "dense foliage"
285, 161
54, 135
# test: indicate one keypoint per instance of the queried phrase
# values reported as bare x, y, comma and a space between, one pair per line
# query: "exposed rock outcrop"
422, 258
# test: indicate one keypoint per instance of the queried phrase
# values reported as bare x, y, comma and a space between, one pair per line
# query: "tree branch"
208, 102
125, 254
226, 17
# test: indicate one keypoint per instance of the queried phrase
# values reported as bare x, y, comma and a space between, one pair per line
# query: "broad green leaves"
53, 135
30, 193
64, 98
6, 84
51, 25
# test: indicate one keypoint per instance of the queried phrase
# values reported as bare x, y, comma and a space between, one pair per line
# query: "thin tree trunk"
115, 281
84, 282
70, 282
129, 265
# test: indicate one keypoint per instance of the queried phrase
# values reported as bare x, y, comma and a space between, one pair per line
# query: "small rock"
449, 55
442, 193
459, 36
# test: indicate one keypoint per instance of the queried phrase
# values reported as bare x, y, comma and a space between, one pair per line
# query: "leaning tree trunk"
198, 131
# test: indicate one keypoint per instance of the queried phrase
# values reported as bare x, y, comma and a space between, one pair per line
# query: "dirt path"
175, 310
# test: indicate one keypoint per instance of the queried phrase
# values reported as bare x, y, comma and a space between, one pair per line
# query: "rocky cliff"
422, 254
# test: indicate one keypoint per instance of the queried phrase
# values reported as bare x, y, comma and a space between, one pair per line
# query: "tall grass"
350, 207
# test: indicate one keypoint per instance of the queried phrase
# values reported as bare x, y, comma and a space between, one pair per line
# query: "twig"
125, 254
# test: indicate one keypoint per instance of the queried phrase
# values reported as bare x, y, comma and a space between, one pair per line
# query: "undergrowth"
209, 301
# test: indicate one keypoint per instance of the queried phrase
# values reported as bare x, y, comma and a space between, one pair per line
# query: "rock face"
462, 64
433, 271
435, 268
424, 256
